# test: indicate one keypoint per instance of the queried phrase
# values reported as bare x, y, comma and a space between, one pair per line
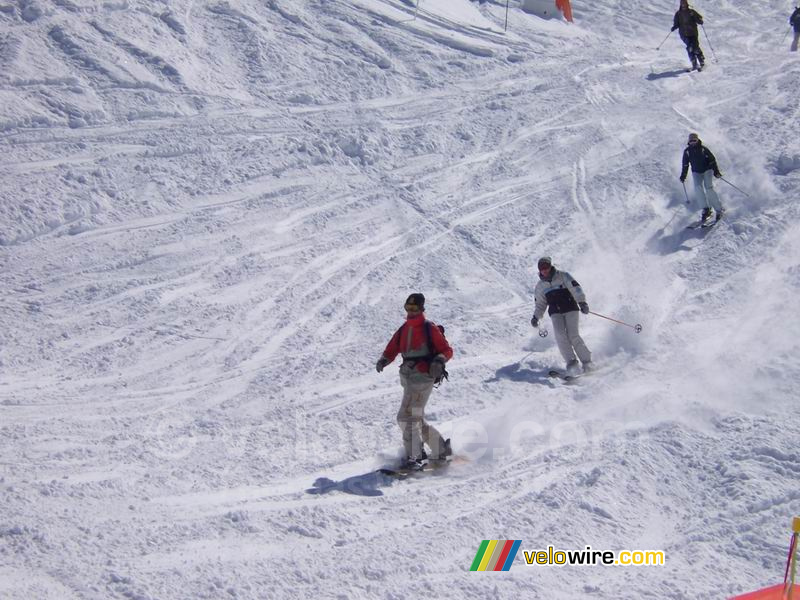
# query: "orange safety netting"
776, 592
788, 590
565, 8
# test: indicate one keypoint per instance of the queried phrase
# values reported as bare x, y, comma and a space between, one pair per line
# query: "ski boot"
415, 463
572, 367
445, 452
705, 216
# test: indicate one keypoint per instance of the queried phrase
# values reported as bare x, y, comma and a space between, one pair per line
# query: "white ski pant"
565, 327
796, 39
411, 416
704, 190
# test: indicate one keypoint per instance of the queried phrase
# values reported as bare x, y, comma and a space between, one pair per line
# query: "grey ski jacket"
560, 293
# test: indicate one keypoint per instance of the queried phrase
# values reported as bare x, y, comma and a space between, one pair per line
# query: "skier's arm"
541, 303
698, 18
674, 22
440, 343
685, 164
393, 347
712, 162
574, 287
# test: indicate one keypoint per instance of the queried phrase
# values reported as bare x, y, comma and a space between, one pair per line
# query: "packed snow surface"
212, 212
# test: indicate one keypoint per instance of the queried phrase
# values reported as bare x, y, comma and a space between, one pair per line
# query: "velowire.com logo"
495, 555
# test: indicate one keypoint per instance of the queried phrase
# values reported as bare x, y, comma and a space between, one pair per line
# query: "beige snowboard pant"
568, 339
417, 388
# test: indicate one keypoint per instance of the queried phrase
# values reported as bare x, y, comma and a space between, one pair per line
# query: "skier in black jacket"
704, 164
686, 21
794, 21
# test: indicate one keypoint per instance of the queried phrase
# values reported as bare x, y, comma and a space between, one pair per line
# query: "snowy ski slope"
211, 213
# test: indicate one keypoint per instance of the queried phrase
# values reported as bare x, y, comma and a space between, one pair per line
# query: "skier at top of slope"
686, 21
794, 21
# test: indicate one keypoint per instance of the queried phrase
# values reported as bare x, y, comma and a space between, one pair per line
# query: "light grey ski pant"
704, 190
796, 39
417, 388
568, 338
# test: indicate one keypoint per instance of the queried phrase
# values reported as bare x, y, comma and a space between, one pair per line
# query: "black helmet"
417, 300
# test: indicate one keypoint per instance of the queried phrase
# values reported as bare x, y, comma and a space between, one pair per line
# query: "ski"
697, 224
563, 376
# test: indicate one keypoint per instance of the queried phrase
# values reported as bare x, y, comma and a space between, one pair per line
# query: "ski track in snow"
212, 212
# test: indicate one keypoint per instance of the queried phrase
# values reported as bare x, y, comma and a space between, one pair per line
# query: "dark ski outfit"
425, 350
794, 21
686, 21
704, 165
562, 296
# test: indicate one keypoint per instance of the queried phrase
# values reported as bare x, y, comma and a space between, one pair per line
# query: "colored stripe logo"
495, 555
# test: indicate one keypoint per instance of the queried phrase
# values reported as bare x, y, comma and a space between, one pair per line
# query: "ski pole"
665, 39
783, 39
734, 187
685, 193
505, 27
637, 328
674, 214
543, 332
714, 54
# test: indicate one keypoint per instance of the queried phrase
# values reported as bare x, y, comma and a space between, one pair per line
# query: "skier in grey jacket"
563, 297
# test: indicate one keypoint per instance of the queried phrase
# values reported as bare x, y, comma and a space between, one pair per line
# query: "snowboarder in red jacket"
425, 351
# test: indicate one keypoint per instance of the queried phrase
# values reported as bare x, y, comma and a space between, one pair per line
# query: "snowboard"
429, 467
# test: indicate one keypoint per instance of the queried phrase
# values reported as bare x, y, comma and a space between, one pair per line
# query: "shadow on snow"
516, 372
366, 484
664, 74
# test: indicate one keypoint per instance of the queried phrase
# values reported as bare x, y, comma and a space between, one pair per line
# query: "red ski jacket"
411, 341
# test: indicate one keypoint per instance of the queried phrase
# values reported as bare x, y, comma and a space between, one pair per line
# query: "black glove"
584, 307
436, 367
717, 174
382, 362
683, 178
534, 322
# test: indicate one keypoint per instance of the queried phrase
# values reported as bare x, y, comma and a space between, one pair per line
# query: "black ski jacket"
794, 20
686, 22
700, 158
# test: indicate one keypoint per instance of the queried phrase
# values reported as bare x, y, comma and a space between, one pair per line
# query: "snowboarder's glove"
382, 362
534, 322
436, 367
584, 307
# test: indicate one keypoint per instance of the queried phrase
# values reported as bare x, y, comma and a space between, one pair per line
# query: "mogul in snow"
686, 21
704, 165
794, 21
561, 294
425, 351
